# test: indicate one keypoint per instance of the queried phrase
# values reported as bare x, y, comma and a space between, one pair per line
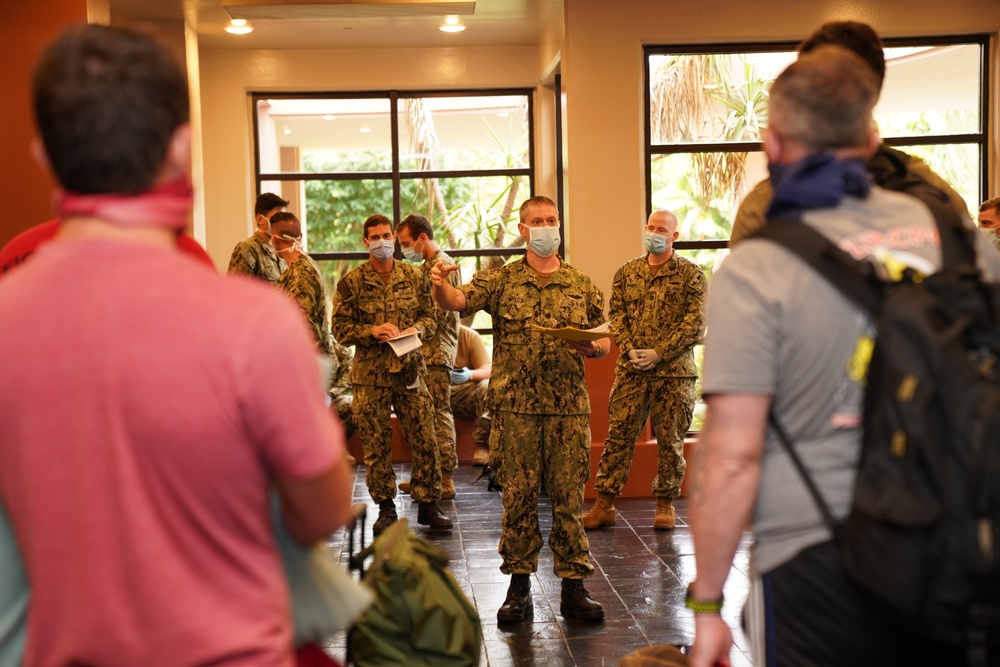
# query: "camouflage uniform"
303, 281
256, 257
380, 379
439, 355
342, 359
541, 409
664, 312
469, 398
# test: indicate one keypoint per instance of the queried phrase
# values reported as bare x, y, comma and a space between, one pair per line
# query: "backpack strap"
800, 467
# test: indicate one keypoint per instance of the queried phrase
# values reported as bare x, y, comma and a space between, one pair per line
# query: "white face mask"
296, 243
381, 249
656, 243
544, 240
412, 253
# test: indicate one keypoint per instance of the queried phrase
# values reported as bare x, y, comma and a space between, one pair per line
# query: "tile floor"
640, 577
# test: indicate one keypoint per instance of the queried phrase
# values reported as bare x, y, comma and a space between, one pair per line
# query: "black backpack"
921, 536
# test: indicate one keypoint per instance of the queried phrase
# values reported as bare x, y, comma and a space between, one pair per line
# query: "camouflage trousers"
527, 450
342, 405
469, 400
439, 384
372, 410
635, 398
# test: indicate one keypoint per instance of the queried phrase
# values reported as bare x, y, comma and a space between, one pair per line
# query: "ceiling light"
239, 27
329, 117
287, 130
503, 114
365, 129
452, 24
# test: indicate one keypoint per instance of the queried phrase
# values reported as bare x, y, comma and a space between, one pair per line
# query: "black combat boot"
428, 514
577, 603
518, 605
386, 515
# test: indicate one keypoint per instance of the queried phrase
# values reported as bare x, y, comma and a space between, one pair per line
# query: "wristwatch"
702, 606
596, 353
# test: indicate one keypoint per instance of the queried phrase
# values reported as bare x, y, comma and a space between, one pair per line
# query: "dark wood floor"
640, 578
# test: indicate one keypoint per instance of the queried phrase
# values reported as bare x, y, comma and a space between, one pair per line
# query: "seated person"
469, 381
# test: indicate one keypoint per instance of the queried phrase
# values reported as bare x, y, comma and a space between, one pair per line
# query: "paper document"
572, 333
406, 343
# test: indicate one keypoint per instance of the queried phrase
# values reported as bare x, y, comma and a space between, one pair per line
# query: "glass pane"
324, 135
959, 165
449, 133
710, 98
704, 189
470, 212
930, 90
336, 211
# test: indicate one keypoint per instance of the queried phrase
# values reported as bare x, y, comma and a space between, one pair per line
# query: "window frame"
395, 175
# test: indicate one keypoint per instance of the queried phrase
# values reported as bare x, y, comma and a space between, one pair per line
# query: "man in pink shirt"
137, 454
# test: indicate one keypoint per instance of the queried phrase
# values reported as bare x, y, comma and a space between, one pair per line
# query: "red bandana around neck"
166, 205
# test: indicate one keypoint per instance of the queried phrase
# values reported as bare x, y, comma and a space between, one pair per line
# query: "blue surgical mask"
655, 243
381, 249
544, 240
411, 254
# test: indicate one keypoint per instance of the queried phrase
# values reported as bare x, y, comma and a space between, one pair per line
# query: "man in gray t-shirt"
782, 340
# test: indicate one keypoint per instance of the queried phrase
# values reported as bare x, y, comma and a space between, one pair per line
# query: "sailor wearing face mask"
255, 256
540, 406
302, 279
657, 314
377, 301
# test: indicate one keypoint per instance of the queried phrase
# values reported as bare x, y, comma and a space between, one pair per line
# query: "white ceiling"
396, 23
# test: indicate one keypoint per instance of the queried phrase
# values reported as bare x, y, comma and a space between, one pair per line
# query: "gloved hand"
461, 375
644, 360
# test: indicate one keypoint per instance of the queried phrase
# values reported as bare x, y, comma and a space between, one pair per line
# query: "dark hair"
283, 216
416, 225
854, 36
537, 200
990, 204
107, 102
374, 221
267, 202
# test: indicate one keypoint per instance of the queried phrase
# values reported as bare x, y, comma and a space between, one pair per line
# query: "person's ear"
39, 154
178, 158
874, 141
773, 147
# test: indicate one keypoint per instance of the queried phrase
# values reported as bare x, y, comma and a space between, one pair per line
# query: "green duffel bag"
421, 618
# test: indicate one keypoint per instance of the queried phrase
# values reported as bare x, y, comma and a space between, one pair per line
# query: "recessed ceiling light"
329, 117
239, 27
452, 24
287, 130
503, 114
365, 129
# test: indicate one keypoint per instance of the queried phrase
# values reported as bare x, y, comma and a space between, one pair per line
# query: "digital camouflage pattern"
342, 358
534, 373
665, 313
256, 257
380, 379
635, 397
527, 451
362, 301
373, 405
540, 408
469, 400
303, 281
438, 380
440, 349
439, 355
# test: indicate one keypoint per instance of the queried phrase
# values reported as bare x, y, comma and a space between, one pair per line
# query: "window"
463, 160
706, 106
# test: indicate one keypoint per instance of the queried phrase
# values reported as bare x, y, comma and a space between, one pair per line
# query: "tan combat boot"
665, 516
447, 485
602, 513
481, 456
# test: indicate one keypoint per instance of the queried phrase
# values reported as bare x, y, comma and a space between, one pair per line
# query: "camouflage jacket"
440, 349
362, 301
665, 313
255, 257
340, 371
304, 282
534, 373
